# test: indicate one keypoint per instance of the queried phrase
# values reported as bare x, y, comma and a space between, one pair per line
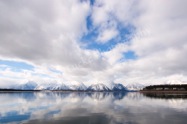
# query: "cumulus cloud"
47, 34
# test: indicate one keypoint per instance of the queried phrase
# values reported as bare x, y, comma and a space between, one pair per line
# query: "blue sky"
95, 41
15, 65
92, 35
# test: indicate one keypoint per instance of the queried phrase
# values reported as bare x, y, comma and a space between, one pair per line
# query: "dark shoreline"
165, 88
163, 91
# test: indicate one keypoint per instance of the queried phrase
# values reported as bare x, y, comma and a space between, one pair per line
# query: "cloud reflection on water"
90, 107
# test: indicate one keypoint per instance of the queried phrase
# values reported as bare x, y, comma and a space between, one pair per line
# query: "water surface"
91, 108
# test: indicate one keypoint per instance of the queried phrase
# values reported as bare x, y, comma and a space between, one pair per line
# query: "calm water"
91, 108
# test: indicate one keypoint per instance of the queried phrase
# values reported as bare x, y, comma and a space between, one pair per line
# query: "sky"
96, 41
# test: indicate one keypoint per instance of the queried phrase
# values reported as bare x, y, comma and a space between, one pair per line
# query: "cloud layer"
48, 35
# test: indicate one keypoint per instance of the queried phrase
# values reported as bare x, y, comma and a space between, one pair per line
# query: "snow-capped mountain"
52, 86
30, 85
77, 86
174, 82
134, 86
98, 87
118, 87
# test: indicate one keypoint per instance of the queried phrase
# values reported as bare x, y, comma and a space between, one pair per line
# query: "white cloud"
46, 34
159, 41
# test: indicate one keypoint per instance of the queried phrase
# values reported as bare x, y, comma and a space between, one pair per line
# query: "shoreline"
164, 91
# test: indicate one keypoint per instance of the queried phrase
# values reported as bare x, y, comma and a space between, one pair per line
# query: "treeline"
166, 87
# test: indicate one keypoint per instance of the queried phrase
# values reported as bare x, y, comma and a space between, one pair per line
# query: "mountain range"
134, 86
30, 85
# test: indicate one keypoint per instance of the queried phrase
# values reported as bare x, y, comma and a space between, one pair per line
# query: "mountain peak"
174, 82
98, 87
30, 85
118, 87
77, 86
135, 86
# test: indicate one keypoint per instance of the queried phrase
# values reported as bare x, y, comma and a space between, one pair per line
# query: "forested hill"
166, 87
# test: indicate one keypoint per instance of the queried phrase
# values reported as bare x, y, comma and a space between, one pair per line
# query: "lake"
91, 108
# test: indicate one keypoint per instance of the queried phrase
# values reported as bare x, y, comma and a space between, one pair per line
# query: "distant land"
167, 88
166, 91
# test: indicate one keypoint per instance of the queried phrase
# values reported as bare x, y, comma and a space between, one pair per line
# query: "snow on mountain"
98, 87
52, 86
30, 85
135, 86
77, 86
174, 82
118, 87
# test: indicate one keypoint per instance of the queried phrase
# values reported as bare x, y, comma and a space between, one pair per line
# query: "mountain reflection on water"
90, 108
